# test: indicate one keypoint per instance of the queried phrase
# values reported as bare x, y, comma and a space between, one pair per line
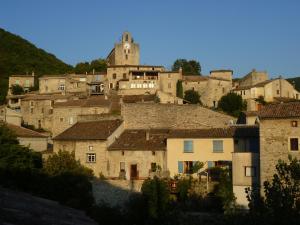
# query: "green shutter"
188, 146
180, 167
217, 146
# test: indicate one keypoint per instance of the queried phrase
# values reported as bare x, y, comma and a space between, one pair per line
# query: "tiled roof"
90, 130
281, 110
88, 102
138, 98
235, 131
136, 140
250, 113
24, 132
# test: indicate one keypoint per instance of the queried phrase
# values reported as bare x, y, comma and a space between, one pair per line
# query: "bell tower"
127, 52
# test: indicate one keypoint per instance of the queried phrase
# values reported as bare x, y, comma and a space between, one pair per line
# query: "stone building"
62, 84
37, 109
89, 141
10, 116
127, 52
138, 154
65, 113
279, 136
210, 88
29, 138
255, 87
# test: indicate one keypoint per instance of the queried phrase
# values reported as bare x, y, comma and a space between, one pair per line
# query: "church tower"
126, 52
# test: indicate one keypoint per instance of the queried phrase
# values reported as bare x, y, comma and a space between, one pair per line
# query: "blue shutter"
180, 167
210, 164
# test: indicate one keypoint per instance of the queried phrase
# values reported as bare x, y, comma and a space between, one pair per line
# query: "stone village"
128, 123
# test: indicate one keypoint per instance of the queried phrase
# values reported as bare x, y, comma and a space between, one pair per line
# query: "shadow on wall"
115, 193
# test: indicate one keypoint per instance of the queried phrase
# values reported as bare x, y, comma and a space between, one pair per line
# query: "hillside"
18, 56
295, 80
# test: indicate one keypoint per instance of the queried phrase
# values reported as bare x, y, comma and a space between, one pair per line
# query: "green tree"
82, 68
283, 192
156, 194
232, 104
191, 67
99, 65
65, 162
192, 97
179, 89
17, 89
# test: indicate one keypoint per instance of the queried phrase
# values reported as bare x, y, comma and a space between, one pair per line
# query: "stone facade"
38, 144
25, 81
253, 78
10, 116
275, 137
127, 52
151, 115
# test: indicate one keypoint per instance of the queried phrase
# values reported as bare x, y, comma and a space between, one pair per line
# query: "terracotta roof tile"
24, 132
281, 110
138, 98
90, 130
136, 140
88, 102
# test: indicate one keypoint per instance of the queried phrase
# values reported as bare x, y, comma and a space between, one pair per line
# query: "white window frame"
90, 157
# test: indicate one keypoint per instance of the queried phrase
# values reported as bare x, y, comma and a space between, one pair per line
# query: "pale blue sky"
221, 34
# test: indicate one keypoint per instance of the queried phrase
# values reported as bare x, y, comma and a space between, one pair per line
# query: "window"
61, 87
90, 157
111, 85
17, 82
217, 146
294, 123
61, 119
97, 77
210, 164
124, 75
169, 75
186, 167
122, 166
250, 171
294, 144
31, 103
31, 110
188, 146
153, 167
278, 92
42, 110
153, 152
123, 153
169, 85
26, 83
114, 76
91, 148
126, 56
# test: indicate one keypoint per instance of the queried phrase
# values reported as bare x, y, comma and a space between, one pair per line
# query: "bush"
17, 89
192, 97
232, 104
157, 196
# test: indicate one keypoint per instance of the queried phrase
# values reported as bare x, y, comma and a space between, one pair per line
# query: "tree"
232, 104
17, 89
65, 162
191, 67
156, 194
99, 65
179, 89
82, 68
283, 192
192, 97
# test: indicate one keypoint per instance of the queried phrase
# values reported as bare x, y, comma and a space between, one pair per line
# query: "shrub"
17, 89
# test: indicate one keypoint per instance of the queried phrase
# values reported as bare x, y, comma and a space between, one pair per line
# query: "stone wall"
115, 192
152, 115
274, 144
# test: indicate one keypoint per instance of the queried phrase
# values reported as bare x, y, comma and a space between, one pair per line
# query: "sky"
221, 34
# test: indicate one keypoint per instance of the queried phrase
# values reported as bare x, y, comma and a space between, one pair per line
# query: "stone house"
89, 141
268, 90
210, 88
65, 113
138, 154
37, 109
279, 136
252, 78
25, 81
10, 116
29, 138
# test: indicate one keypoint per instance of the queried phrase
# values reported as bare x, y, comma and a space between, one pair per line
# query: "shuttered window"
188, 146
217, 146
180, 167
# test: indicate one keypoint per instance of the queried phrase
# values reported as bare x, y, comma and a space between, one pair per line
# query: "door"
133, 172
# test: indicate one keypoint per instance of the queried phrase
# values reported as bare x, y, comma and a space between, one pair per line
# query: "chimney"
147, 135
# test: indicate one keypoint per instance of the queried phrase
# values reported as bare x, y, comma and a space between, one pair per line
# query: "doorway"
133, 172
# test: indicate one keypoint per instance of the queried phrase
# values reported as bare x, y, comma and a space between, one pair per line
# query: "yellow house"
213, 147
